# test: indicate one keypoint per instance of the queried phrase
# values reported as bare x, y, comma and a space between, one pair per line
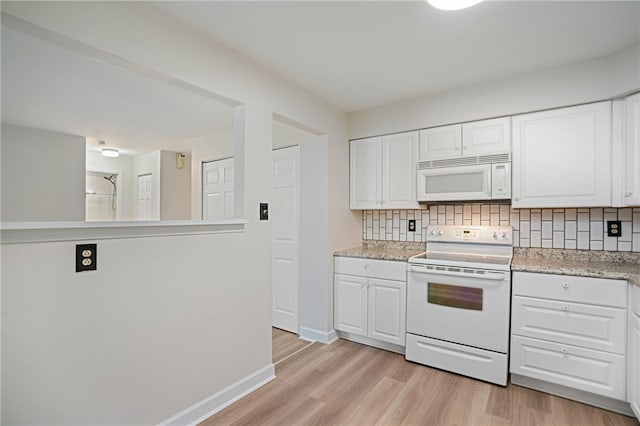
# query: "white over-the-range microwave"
471, 178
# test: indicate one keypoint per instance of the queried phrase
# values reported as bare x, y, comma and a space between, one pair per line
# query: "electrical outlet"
264, 211
86, 257
411, 225
614, 228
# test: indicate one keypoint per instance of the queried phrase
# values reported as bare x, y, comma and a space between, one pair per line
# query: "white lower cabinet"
373, 303
570, 331
634, 352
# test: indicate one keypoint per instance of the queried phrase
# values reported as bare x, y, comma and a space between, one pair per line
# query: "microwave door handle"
493, 276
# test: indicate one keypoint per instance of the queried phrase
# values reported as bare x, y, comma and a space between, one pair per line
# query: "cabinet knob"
565, 351
465, 147
565, 308
627, 194
516, 198
565, 286
457, 148
366, 265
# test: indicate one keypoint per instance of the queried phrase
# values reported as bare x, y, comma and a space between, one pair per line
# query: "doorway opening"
102, 201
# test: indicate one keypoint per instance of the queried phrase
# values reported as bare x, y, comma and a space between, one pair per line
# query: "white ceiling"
53, 88
366, 53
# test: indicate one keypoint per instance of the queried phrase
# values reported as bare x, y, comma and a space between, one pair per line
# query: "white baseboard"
204, 409
372, 342
600, 401
311, 335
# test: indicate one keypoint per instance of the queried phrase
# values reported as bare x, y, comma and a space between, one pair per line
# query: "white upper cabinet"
366, 173
486, 136
440, 142
383, 172
562, 157
468, 139
630, 147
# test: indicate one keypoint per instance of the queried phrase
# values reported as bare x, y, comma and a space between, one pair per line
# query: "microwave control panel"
501, 180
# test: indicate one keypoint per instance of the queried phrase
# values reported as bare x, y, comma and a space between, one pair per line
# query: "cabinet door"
366, 173
631, 152
561, 158
440, 142
351, 304
487, 137
634, 365
387, 308
399, 171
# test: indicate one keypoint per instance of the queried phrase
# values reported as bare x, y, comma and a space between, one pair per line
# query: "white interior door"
218, 189
145, 197
285, 216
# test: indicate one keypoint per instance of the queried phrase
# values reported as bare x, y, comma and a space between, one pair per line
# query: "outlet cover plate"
614, 228
86, 257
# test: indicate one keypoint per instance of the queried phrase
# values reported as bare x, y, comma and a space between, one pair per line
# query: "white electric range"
458, 301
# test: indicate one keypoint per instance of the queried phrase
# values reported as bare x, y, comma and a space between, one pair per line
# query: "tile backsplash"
579, 228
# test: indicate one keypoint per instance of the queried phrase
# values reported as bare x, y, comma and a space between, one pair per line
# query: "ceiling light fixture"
110, 152
452, 4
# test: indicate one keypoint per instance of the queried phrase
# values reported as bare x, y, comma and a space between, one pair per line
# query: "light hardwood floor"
346, 383
285, 344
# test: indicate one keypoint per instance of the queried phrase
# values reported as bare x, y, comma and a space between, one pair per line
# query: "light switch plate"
264, 211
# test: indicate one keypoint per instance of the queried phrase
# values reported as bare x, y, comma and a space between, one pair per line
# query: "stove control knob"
495, 235
434, 232
440, 233
505, 235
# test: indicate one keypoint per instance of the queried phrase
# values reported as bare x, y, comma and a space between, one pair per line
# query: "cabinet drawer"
473, 362
594, 327
385, 269
592, 371
596, 291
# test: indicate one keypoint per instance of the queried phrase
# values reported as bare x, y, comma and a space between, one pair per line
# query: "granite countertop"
384, 250
582, 263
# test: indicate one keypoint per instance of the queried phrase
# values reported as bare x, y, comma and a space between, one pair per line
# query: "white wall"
210, 147
124, 165
152, 331
286, 135
175, 187
582, 82
202, 352
144, 165
43, 175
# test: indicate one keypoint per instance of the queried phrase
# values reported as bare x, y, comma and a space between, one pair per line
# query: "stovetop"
486, 247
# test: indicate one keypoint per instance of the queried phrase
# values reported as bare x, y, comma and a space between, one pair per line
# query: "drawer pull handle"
565, 286
565, 308
564, 350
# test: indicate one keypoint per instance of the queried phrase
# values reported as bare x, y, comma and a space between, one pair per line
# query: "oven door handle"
493, 276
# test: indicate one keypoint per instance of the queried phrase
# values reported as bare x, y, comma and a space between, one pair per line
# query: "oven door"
460, 305
455, 183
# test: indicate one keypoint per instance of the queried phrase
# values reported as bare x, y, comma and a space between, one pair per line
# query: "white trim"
372, 342
600, 401
206, 408
312, 335
38, 232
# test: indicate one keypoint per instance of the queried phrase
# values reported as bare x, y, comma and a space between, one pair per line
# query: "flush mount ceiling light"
452, 4
110, 152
